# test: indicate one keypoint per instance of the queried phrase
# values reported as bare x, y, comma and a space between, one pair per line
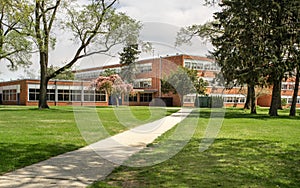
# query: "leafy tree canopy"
183, 81
15, 45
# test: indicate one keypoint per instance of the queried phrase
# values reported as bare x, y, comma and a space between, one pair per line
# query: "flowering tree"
113, 85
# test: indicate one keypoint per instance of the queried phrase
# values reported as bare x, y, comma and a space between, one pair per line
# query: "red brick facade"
147, 89
22, 93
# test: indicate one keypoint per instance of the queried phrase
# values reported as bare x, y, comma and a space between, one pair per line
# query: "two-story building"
147, 87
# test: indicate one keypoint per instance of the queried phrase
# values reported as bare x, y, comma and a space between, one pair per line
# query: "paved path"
94, 162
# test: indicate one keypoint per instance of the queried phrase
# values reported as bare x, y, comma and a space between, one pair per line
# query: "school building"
147, 87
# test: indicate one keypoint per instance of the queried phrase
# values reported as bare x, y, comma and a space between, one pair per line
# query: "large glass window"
63, 95
89, 95
92, 95
10, 95
144, 67
51, 94
142, 83
34, 94
100, 96
76, 95
145, 97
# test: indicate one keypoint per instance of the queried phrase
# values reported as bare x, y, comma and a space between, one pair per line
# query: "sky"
161, 20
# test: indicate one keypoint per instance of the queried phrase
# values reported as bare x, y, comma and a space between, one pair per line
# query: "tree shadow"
15, 156
227, 163
236, 113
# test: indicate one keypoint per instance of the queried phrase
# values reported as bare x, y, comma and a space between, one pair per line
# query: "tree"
183, 81
113, 85
15, 46
294, 51
66, 75
108, 72
280, 25
295, 94
252, 42
128, 58
237, 49
96, 28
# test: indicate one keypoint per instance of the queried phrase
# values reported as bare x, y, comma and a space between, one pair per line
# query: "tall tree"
295, 94
294, 51
128, 58
237, 49
253, 42
96, 28
15, 46
281, 22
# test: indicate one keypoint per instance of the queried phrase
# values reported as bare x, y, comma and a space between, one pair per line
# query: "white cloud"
175, 12
161, 18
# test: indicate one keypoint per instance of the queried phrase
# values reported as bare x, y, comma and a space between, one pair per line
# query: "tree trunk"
275, 99
117, 100
279, 98
181, 100
296, 90
43, 82
247, 104
252, 99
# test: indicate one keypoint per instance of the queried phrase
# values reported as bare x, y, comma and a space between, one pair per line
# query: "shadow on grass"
240, 113
228, 163
14, 156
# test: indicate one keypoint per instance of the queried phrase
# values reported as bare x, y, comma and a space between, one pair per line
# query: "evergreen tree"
128, 59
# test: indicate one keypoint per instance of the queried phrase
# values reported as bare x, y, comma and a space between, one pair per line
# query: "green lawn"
29, 135
250, 151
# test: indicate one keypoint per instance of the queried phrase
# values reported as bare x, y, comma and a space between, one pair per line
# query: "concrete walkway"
94, 162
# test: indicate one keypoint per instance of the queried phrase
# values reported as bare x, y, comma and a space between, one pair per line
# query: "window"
206, 67
10, 95
189, 99
100, 96
187, 65
234, 99
34, 94
284, 86
130, 98
228, 99
89, 95
63, 95
76, 95
291, 87
51, 94
144, 67
201, 65
145, 97
143, 83
194, 65
92, 95
242, 100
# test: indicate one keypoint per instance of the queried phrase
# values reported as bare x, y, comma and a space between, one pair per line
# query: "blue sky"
161, 19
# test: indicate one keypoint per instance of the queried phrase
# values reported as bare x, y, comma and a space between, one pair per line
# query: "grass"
250, 151
29, 135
